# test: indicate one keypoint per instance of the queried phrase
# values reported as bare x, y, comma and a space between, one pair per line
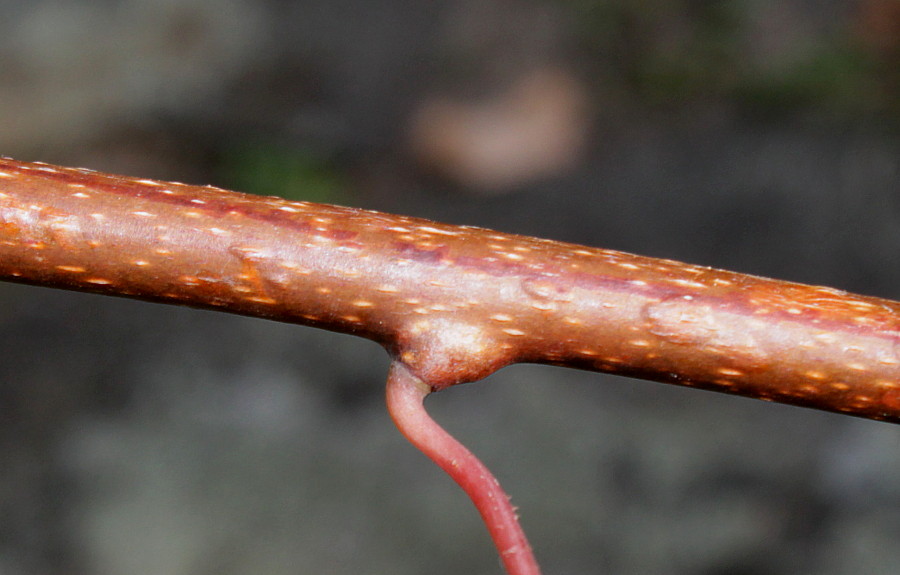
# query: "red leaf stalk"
405, 396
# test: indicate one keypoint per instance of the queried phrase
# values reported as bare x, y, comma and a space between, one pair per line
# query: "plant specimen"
450, 304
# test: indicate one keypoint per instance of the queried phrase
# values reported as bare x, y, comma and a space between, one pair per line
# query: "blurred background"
762, 137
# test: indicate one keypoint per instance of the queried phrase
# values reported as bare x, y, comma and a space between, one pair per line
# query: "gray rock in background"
138, 438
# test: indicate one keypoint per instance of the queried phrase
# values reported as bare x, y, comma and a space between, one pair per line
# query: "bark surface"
452, 303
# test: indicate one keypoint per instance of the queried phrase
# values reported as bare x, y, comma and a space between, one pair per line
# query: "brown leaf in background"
534, 129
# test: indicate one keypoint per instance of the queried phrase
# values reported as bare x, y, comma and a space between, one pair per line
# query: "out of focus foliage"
296, 174
767, 59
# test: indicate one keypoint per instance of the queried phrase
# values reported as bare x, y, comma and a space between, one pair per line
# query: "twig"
453, 303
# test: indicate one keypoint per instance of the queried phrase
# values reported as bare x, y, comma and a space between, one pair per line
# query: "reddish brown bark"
452, 303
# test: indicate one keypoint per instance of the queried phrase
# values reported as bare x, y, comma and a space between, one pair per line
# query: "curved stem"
405, 399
